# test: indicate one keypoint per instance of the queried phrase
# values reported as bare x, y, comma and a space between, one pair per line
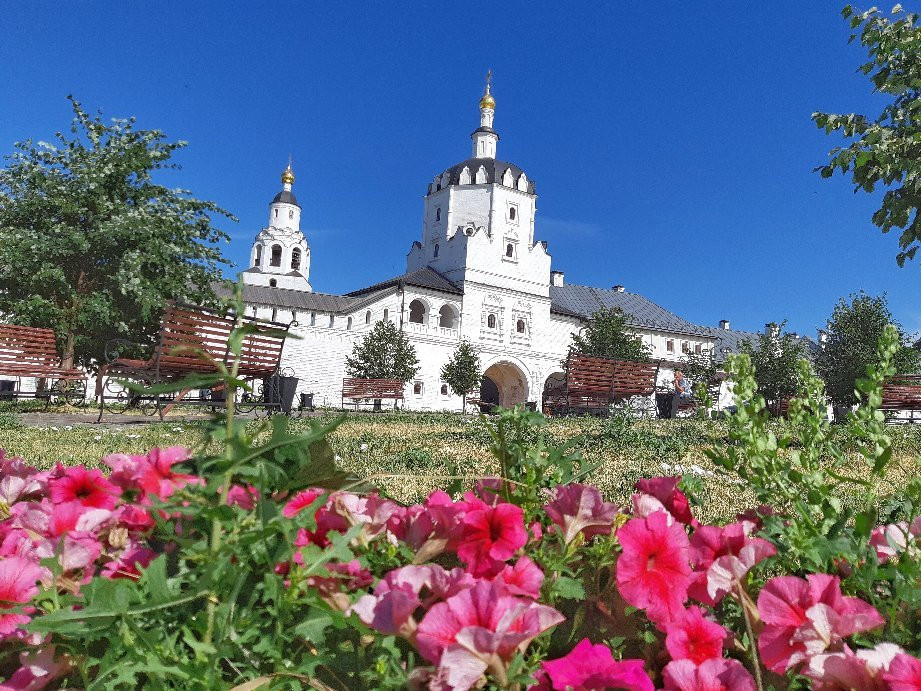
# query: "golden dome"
287, 177
488, 101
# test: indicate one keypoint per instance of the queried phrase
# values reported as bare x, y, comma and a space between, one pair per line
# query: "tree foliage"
90, 245
775, 357
885, 150
853, 334
462, 371
608, 335
385, 353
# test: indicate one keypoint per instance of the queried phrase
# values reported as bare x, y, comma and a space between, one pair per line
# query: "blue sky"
670, 142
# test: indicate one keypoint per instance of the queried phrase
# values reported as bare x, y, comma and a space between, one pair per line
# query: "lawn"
409, 455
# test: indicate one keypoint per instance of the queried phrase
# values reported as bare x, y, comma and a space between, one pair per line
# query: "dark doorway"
489, 394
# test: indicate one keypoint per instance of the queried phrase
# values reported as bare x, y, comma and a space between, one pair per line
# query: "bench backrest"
589, 376
189, 336
634, 378
902, 388
372, 388
27, 348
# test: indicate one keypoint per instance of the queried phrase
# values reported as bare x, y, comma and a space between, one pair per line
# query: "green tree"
462, 371
885, 151
385, 353
608, 335
776, 357
853, 335
91, 246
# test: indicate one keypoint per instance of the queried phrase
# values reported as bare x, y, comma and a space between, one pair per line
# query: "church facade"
478, 273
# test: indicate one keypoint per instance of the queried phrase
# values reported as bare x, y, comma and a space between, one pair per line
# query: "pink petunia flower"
653, 571
590, 667
721, 557
904, 673
890, 540
38, 668
807, 617
845, 670
301, 501
156, 476
477, 629
375, 514
18, 578
580, 509
524, 577
129, 563
87, 487
490, 536
665, 491
715, 674
691, 636
243, 496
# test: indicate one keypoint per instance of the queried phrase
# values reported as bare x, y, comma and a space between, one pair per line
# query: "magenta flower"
301, 501
243, 496
18, 578
904, 673
580, 509
156, 476
490, 536
715, 674
847, 670
890, 540
590, 667
691, 636
522, 578
87, 487
477, 629
672, 499
129, 563
38, 668
653, 572
807, 617
721, 557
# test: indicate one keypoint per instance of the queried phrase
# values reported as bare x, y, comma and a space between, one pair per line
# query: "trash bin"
664, 403
531, 405
306, 401
279, 391
7, 390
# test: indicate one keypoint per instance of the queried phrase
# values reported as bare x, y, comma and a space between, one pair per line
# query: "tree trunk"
67, 360
463, 404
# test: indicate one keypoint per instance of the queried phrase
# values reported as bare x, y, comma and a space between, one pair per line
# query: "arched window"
510, 250
290, 213
417, 388
386, 315
447, 317
438, 214
512, 212
276, 256
444, 389
273, 283
436, 251
417, 312
332, 321
313, 318
276, 213
368, 317
296, 258
491, 321
274, 315
519, 326
348, 324
258, 260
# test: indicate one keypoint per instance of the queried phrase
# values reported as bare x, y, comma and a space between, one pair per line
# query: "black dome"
494, 172
285, 197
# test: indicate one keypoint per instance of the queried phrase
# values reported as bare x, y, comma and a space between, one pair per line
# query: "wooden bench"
28, 352
902, 394
713, 393
371, 391
193, 340
593, 384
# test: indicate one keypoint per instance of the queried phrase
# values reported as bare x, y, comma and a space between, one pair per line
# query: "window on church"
417, 388
444, 389
491, 321
436, 252
293, 316
332, 321
348, 324
438, 214
670, 346
698, 348
291, 213
368, 317
276, 213
512, 213
519, 327
386, 315
274, 315
510, 250
313, 318
685, 347
296, 258
417, 312
276, 256
273, 283
447, 317
258, 260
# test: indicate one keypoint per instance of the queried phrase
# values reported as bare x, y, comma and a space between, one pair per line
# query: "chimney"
771, 329
823, 337
556, 278
724, 324
618, 289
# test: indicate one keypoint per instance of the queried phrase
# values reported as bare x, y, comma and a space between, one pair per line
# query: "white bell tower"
280, 257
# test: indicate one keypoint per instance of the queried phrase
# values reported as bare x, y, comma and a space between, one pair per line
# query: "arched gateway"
504, 384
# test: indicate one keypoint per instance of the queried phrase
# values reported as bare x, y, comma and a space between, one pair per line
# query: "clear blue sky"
670, 142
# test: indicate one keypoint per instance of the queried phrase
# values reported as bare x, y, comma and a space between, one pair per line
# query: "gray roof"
584, 301
425, 277
285, 197
494, 172
299, 300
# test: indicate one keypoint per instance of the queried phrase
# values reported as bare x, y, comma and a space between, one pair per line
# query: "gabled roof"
583, 301
426, 277
300, 300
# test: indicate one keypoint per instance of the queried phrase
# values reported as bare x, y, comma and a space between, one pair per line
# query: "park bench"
593, 384
713, 393
371, 391
192, 341
28, 352
902, 394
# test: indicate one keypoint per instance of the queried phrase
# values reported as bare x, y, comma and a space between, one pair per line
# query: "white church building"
477, 273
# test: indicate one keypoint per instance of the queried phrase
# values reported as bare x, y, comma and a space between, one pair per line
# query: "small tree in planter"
462, 371
385, 353
853, 333
776, 356
608, 335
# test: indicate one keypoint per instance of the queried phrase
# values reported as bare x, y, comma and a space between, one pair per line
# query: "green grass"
409, 455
